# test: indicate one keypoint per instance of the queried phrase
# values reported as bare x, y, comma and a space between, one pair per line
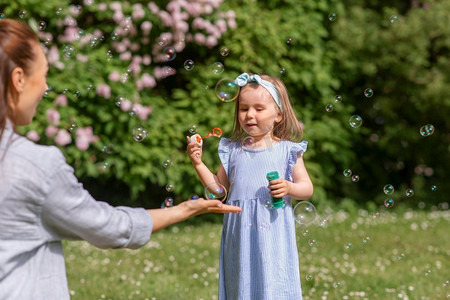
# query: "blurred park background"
369, 80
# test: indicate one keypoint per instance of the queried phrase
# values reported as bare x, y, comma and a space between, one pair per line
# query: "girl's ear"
279, 117
18, 79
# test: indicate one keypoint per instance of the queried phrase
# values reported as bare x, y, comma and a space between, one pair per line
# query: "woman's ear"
18, 79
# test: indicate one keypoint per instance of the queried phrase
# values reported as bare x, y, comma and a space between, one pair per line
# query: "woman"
41, 200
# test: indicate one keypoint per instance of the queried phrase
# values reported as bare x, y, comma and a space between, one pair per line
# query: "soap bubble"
366, 240
393, 19
94, 42
347, 172
305, 212
139, 133
338, 99
23, 14
109, 55
329, 107
169, 53
193, 129
388, 189
72, 127
170, 187
332, 17
168, 202
355, 121
283, 71
42, 25
189, 64
309, 277
217, 68
409, 192
347, 246
69, 51
289, 42
389, 202
215, 191
434, 188
166, 162
224, 51
312, 242
2, 16
227, 90
355, 178
248, 142
368, 93
427, 130
162, 41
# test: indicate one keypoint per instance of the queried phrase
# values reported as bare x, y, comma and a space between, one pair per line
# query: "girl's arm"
206, 176
301, 187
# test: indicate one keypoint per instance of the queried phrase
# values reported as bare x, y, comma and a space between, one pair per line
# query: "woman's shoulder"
42, 157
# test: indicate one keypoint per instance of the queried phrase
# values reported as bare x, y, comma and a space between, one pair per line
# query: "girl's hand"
279, 187
194, 151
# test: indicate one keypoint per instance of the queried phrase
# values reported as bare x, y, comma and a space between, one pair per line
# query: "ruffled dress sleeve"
293, 151
224, 152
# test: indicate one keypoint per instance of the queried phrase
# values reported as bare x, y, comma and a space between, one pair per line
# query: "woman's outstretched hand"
163, 217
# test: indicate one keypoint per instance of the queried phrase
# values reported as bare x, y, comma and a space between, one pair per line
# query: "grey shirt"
42, 203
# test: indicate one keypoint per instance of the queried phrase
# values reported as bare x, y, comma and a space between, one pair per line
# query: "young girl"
258, 256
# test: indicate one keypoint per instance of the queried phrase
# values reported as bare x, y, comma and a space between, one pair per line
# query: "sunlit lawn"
390, 254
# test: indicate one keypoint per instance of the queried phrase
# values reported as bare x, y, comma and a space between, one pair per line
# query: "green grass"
388, 255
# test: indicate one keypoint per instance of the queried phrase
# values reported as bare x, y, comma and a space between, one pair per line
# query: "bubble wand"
199, 139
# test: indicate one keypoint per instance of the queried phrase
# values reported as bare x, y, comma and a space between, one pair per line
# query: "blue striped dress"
258, 255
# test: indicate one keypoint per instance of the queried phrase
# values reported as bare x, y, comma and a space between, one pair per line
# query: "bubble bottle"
276, 202
199, 139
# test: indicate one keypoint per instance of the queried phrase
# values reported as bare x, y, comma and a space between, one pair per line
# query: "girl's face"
32, 88
258, 112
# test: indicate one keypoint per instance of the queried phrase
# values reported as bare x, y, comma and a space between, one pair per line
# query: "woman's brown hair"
16, 50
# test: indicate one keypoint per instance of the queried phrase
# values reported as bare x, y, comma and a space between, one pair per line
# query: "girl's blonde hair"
288, 128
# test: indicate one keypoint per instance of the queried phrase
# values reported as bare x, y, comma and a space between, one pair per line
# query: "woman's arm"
168, 216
